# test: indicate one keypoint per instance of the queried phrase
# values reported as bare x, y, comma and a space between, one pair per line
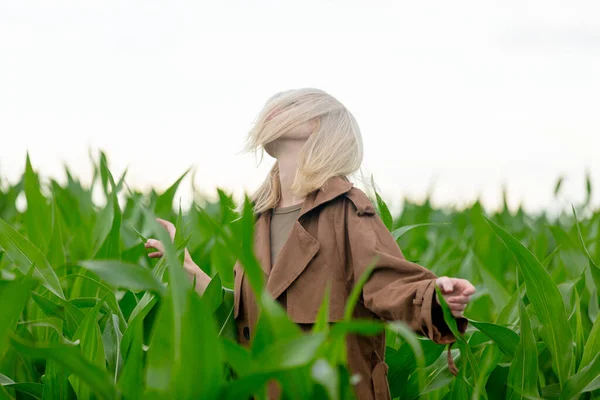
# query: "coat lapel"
262, 250
294, 256
299, 249
262, 241
238, 272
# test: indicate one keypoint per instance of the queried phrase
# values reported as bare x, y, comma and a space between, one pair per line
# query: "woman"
314, 227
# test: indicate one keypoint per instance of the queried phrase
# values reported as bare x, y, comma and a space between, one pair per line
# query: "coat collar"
333, 188
300, 247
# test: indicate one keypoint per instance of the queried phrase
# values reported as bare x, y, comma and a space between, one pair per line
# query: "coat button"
246, 333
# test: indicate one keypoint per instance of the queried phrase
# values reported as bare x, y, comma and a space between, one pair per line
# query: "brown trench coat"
336, 236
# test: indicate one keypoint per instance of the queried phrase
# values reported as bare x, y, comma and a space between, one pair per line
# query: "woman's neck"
289, 151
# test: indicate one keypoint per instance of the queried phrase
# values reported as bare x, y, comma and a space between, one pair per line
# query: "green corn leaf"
404, 229
103, 170
464, 347
522, 378
104, 290
56, 251
161, 352
92, 349
359, 326
547, 302
110, 247
38, 217
461, 388
582, 380
151, 331
71, 315
111, 340
338, 346
131, 379
588, 187
8, 200
382, 208
29, 388
222, 261
510, 313
24, 254
125, 275
224, 316
490, 358
164, 202
244, 235
248, 386
200, 372
213, 295
357, 291
551, 391
274, 323
16, 294
506, 339
496, 288
70, 357
410, 338
290, 353
143, 305
178, 282
322, 372
195, 368
56, 382
322, 323
384, 212
592, 345
238, 357
558, 185
576, 324
142, 238
594, 269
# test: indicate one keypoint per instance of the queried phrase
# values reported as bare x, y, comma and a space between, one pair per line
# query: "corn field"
85, 314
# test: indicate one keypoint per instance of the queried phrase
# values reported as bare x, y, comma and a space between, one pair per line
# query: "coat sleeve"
397, 289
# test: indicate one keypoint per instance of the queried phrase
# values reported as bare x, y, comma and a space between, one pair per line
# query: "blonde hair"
333, 149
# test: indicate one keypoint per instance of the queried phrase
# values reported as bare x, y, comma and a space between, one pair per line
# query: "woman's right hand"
193, 271
159, 246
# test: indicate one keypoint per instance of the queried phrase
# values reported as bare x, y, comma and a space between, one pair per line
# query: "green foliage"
85, 314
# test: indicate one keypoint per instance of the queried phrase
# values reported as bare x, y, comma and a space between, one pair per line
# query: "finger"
463, 286
469, 288
169, 227
445, 284
152, 243
460, 299
456, 308
164, 223
156, 254
155, 244
457, 314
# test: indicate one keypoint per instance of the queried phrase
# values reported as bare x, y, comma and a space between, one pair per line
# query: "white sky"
463, 97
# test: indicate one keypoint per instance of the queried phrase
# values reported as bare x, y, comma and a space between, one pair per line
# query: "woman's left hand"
457, 293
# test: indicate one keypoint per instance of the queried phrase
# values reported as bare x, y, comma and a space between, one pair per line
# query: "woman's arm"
397, 289
192, 270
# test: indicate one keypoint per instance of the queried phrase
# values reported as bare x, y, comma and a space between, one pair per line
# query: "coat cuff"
432, 318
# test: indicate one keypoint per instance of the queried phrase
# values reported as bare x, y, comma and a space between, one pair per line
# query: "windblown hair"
333, 149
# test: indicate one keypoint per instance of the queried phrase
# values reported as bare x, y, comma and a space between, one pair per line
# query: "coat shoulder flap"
361, 202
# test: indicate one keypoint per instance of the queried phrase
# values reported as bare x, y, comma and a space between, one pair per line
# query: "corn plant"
84, 313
